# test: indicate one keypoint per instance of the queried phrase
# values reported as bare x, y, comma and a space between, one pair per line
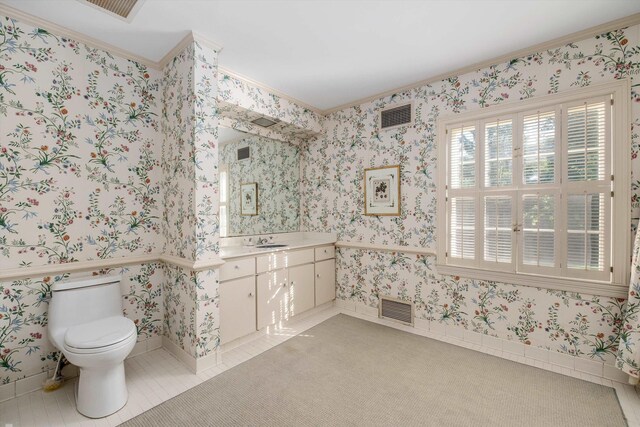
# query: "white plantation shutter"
463, 231
539, 148
586, 231
462, 156
539, 235
588, 200
587, 129
530, 192
498, 153
498, 232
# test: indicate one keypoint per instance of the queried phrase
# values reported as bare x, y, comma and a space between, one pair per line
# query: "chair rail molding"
99, 264
386, 248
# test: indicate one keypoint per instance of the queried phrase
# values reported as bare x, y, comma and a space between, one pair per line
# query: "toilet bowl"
87, 325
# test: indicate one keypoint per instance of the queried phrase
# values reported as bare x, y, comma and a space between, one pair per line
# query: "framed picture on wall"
382, 191
249, 198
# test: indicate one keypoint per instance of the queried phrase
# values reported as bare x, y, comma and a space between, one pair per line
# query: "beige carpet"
350, 372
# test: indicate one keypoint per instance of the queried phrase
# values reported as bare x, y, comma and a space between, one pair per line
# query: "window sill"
615, 290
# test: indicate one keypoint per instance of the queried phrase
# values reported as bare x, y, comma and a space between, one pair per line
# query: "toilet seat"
100, 335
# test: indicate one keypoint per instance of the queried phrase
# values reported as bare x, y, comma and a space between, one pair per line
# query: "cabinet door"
273, 297
237, 308
325, 281
301, 295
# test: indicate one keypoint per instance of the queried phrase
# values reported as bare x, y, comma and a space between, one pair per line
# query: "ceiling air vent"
120, 8
396, 116
244, 153
264, 122
394, 309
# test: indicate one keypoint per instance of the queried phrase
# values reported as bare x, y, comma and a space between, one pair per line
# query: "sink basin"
272, 245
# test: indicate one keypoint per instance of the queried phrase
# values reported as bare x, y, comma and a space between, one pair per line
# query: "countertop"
230, 252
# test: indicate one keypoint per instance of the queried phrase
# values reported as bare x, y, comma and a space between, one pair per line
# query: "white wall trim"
74, 267
207, 264
186, 41
184, 357
99, 264
194, 364
386, 248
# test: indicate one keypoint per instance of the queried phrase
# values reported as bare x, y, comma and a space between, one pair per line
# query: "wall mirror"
259, 184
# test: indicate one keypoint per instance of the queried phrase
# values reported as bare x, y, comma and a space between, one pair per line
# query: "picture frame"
382, 191
249, 198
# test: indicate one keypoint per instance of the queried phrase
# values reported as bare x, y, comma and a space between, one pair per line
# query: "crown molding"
186, 41
560, 41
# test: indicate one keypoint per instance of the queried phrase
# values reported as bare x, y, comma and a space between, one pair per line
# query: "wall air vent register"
396, 116
395, 309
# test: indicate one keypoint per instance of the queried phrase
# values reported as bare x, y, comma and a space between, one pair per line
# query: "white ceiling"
328, 53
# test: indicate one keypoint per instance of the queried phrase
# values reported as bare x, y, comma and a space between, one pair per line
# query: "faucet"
263, 240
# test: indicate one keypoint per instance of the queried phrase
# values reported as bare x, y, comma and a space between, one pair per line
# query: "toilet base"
101, 392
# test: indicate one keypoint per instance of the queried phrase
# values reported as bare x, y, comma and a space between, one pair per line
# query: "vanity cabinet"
284, 292
258, 291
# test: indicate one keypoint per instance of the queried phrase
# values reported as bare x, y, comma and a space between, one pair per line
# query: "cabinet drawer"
278, 260
325, 252
237, 268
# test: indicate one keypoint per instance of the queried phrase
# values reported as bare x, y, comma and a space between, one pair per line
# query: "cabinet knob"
325, 251
250, 294
318, 276
237, 267
292, 282
284, 285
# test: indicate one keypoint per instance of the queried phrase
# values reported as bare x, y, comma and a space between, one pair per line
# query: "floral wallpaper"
191, 223
583, 325
629, 355
80, 179
275, 167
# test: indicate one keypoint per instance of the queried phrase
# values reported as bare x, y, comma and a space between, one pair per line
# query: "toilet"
86, 323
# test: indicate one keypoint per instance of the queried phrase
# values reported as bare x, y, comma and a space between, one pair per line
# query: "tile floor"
157, 376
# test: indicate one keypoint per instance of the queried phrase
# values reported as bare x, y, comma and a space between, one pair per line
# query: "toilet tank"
81, 301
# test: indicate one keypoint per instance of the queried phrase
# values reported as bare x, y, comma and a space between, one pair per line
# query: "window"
537, 193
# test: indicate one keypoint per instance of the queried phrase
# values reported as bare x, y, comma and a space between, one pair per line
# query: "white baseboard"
180, 354
208, 361
537, 356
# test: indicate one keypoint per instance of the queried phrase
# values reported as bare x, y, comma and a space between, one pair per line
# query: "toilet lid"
100, 333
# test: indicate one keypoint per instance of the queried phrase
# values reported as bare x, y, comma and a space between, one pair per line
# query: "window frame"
620, 165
